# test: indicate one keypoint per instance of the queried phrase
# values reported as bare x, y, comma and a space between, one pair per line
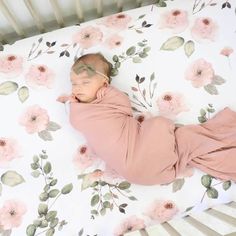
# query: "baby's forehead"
81, 76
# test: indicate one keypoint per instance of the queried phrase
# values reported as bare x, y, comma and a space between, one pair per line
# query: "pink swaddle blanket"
154, 151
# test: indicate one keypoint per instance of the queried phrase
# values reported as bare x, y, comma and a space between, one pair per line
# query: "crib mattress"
177, 61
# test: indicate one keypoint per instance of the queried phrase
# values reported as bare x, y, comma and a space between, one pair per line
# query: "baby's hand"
64, 98
72, 98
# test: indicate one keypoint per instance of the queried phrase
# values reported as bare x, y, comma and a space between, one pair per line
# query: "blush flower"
114, 41
40, 75
142, 117
93, 176
200, 73
9, 150
11, 65
161, 210
204, 28
170, 104
226, 51
88, 37
82, 160
129, 224
110, 176
176, 20
11, 214
118, 21
35, 119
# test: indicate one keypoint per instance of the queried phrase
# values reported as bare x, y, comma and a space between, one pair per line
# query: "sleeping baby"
151, 152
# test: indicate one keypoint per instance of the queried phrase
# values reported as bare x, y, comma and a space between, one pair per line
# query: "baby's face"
85, 87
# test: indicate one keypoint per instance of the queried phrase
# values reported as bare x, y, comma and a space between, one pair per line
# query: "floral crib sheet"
175, 59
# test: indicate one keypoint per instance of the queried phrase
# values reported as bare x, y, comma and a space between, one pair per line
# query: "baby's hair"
96, 57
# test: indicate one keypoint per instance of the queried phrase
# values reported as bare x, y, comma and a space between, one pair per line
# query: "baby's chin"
84, 99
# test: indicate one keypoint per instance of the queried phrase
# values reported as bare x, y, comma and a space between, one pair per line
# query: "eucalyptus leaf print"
172, 43
105, 193
189, 48
146, 93
8, 87
47, 220
199, 5
211, 191
12, 178
38, 49
23, 93
205, 113
136, 53
143, 25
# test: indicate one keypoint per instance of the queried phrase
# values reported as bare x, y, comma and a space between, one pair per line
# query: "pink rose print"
118, 21
110, 176
200, 73
88, 37
170, 104
40, 75
35, 119
129, 224
204, 29
176, 20
9, 150
161, 210
11, 214
226, 51
142, 117
114, 41
94, 176
83, 159
11, 65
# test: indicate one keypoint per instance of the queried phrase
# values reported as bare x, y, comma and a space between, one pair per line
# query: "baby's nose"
75, 89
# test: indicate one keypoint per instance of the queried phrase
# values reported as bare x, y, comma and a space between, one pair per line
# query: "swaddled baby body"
151, 152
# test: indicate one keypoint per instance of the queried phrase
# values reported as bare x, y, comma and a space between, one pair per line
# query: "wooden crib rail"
217, 221
82, 11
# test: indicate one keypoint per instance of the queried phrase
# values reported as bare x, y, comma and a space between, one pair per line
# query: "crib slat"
157, 230
138, 3
232, 204
6, 12
201, 227
172, 231
99, 6
222, 216
224, 208
2, 39
213, 223
184, 228
35, 15
119, 5
57, 13
79, 10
